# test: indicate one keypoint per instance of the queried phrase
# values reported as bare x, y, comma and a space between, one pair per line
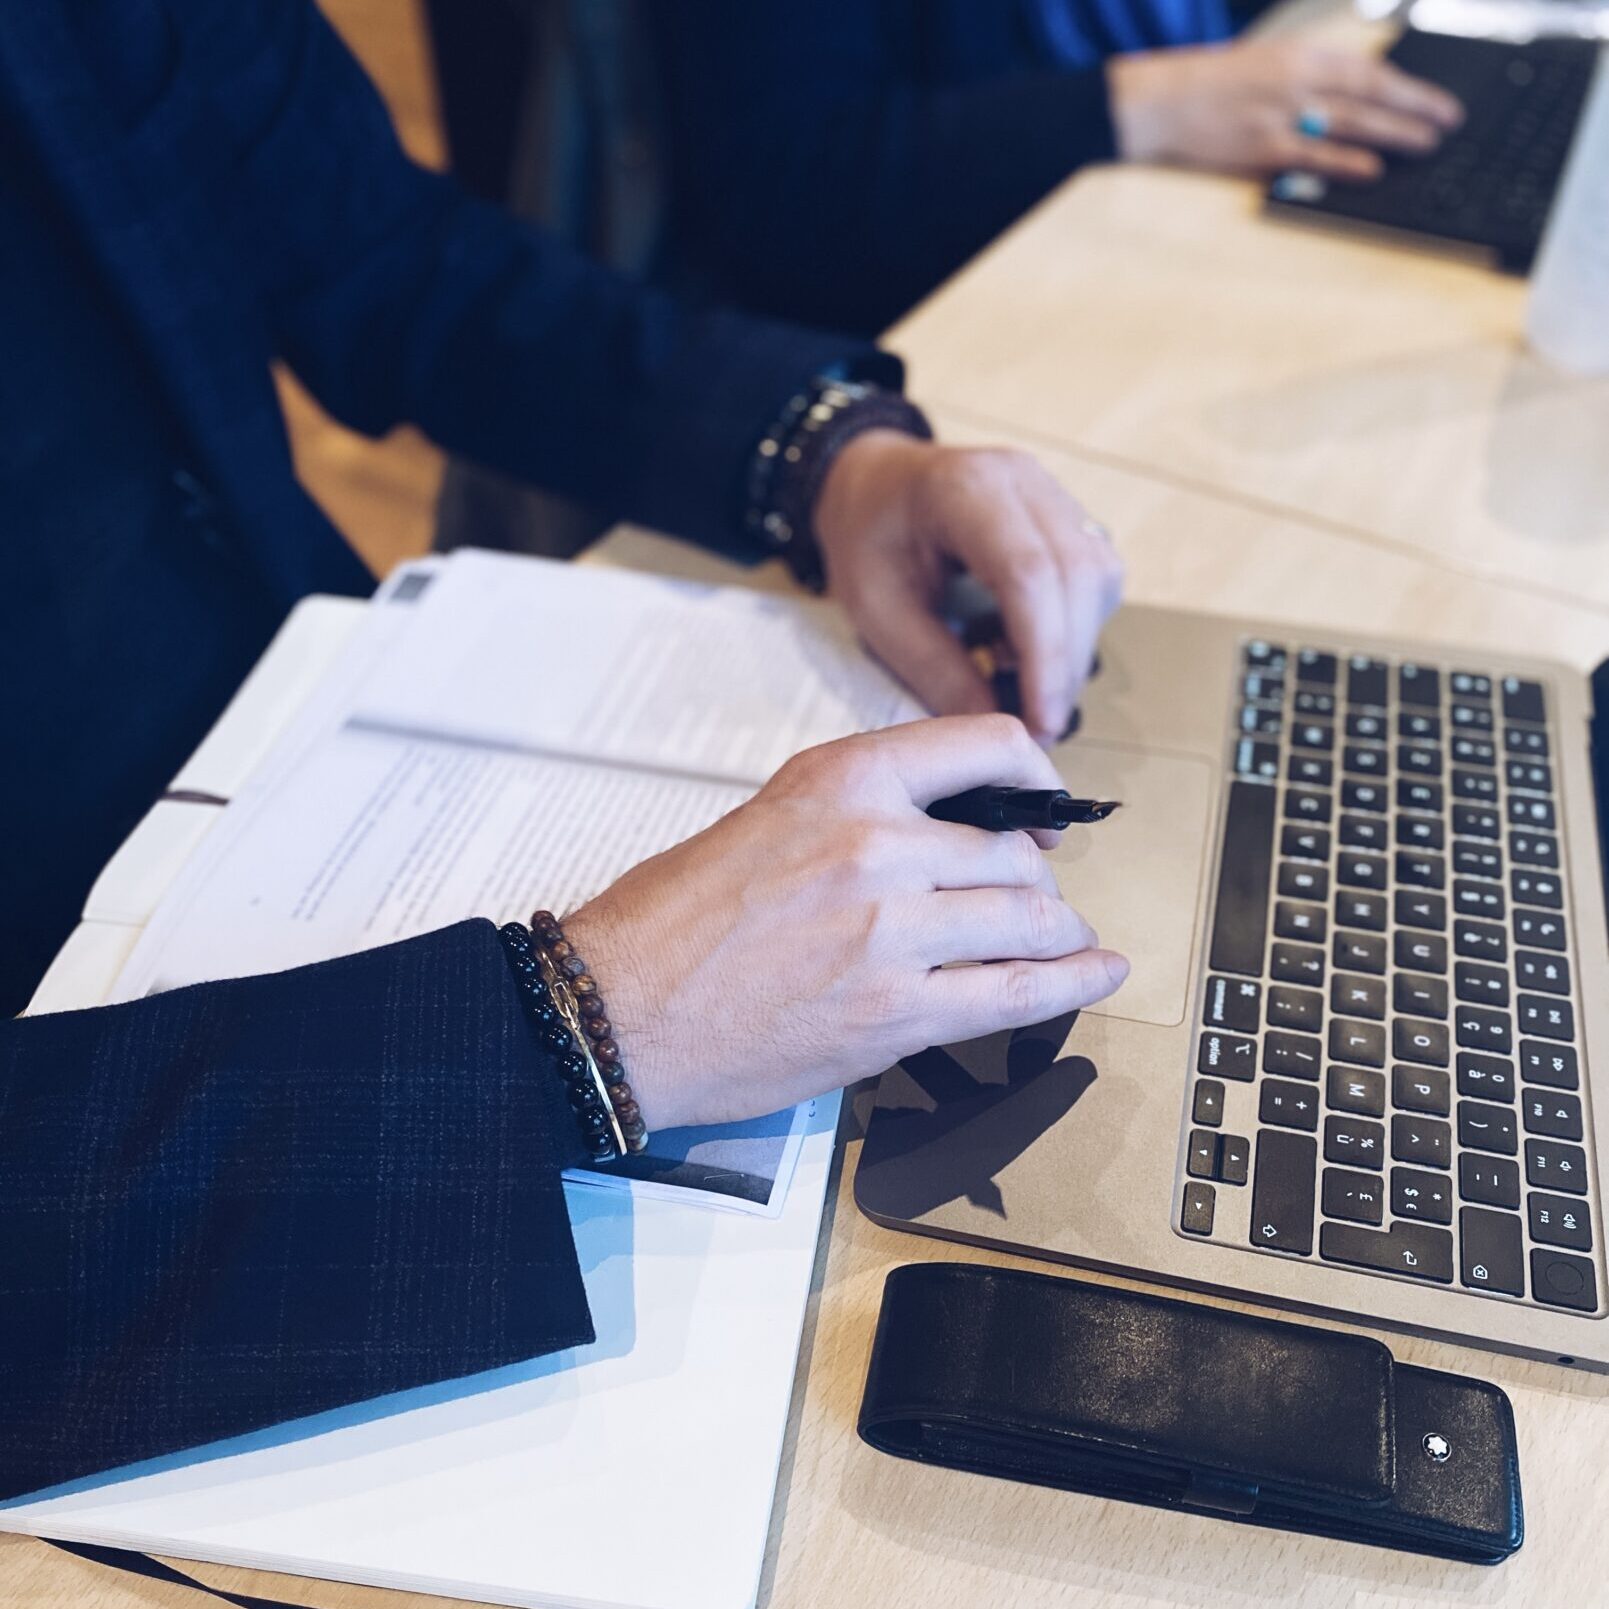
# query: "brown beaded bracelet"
575, 992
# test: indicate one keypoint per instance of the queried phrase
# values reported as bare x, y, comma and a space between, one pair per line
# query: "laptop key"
1419, 996
1482, 1127
1534, 813
1195, 1217
1535, 970
1414, 793
1227, 1055
1361, 871
1474, 785
1309, 922
1365, 727
1553, 1113
1360, 952
1421, 871
1363, 832
1481, 1029
1419, 726
1311, 770
1298, 880
1522, 701
1260, 655
1356, 1091
1282, 1191
1425, 1140
1208, 1107
1201, 1161
1419, 952
1288, 1105
1471, 718
1425, 1196
1292, 1055
1313, 735
1476, 821
1534, 849
1364, 760
1477, 860
1305, 843
1529, 776
1479, 984
1354, 1141
1420, 832
1480, 941
1421, 909
1563, 1281
1490, 1250
1355, 1197
1308, 804
1474, 751
1296, 963
1491, 1181
1354, 995
1521, 740
1234, 1158
1366, 681
1234, 1003
1556, 1165
1543, 929
1302, 1009
1361, 1043
1477, 898
1425, 1043
1471, 685
1488, 1078
1540, 888
1245, 870
1421, 1089
1419, 684
1559, 1221
1546, 1019
1419, 1250
1367, 911
1309, 701
1316, 667
1364, 796
1552, 1065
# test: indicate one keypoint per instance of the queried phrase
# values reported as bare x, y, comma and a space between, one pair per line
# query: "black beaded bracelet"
562, 1002
791, 463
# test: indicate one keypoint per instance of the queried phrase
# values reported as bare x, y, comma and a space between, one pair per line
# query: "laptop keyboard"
1387, 1074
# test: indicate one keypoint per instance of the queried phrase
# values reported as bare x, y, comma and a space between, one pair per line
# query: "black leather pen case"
1062, 1383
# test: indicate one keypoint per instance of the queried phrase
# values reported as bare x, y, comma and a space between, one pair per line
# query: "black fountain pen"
1014, 809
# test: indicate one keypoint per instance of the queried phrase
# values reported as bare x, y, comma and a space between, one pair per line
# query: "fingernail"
1117, 968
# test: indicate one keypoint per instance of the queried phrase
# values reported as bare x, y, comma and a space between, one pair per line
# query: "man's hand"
898, 516
1241, 109
811, 937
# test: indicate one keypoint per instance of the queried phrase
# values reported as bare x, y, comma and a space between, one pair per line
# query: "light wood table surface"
855, 1527
1157, 321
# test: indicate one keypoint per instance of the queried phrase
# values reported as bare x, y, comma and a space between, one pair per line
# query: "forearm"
248, 1202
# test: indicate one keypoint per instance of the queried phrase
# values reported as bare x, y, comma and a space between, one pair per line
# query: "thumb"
924, 653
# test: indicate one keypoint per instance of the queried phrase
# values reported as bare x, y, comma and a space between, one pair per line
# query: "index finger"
1371, 79
952, 753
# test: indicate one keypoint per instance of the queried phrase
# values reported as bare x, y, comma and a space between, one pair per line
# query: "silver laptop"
1362, 890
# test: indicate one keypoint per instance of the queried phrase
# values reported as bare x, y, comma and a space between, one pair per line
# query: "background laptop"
1488, 189
1361, 886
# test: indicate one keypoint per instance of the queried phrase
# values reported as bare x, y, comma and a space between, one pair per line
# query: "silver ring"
1313, 121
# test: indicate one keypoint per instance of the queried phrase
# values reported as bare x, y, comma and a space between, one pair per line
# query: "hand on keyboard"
1259, 108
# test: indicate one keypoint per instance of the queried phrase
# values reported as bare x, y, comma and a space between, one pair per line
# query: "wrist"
864, 487
1139, 111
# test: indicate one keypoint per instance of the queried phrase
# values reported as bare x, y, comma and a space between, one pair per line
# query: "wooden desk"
1158, 322
853, 1526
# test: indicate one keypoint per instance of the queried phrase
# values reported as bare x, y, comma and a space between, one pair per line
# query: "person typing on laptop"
250, 1201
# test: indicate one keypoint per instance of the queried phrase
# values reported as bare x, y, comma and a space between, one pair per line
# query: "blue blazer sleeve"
396, 297
820, 172
245, 1202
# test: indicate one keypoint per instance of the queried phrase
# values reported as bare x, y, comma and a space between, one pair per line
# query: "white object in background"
1568, 319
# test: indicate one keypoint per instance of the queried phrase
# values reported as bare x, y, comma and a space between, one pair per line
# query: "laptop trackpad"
1136, 877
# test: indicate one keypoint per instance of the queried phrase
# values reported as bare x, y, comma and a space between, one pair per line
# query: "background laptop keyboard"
1491, 183
1388, 1074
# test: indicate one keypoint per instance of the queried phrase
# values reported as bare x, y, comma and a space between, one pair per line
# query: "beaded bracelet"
564, 1006
791, 463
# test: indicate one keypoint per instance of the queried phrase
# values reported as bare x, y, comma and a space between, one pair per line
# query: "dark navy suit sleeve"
396, 297
829, 178
245, 1202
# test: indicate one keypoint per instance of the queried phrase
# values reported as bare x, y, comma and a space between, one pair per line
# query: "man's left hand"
897, 517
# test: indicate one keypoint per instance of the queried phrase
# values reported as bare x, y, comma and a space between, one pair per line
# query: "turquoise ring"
1312, 122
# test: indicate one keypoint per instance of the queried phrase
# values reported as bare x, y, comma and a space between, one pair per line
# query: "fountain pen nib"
1068, 812
1103, 808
